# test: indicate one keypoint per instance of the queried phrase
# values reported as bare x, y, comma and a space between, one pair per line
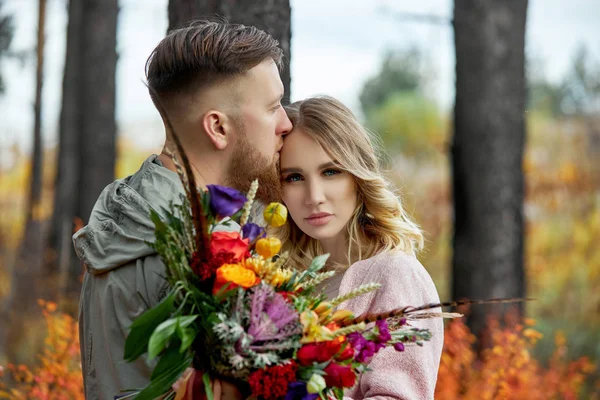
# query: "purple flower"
252, 232
365, 349
399, 346
225, 201
297, 391
384, 333
357, 341
368, 351
379, 346
271, 317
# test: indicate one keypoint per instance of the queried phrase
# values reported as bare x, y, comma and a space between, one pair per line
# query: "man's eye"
292, 178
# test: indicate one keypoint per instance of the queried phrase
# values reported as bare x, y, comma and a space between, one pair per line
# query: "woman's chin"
319, 233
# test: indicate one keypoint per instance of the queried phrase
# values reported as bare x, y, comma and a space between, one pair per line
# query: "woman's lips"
319, 219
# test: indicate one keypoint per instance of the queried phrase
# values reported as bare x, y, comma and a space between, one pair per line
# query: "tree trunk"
67, 176
182, 12
487, 152
98, 104
25, 286
86, 157
273, 16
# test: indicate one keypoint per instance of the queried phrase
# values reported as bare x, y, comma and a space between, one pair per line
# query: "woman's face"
320, 197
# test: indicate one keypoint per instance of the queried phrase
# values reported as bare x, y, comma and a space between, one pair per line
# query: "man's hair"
206, 52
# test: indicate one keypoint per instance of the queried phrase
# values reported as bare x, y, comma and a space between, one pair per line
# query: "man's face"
261, 124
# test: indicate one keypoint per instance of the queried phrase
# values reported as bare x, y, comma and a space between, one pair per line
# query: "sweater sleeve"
411, 374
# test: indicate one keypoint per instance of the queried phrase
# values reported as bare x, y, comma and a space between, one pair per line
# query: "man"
219, 84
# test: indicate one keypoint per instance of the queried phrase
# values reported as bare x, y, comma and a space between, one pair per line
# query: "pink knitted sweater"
411, 374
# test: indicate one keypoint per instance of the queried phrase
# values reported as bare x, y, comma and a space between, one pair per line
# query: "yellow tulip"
268, 247
275, 214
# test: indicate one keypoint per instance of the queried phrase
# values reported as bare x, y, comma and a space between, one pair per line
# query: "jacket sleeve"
411, 374
110, 302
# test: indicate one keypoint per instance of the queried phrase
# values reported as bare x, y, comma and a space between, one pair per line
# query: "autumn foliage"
507, 369
57, 375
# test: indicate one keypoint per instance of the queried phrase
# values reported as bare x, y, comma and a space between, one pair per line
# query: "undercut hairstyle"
203, 54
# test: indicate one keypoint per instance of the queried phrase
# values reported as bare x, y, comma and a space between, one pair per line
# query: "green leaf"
339, 393
289, 284
207, 386
304, 374
318, 262
160, 337
186, 333
163, 333
143, 327
168, 360
187, 336
162, 382
224, 292
185, 321
158, 222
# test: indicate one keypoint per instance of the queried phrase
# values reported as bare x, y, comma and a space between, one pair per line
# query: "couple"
220, 85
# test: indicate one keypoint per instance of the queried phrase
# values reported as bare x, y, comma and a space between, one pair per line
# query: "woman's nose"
316, 193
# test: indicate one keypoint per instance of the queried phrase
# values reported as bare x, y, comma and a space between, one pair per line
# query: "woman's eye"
331, 172
292, 178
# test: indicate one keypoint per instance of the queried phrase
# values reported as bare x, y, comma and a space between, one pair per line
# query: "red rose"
318, 352
346, 354
339, 376
332, 347
229, 242
310, 353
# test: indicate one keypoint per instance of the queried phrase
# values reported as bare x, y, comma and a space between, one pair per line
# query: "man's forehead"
265, 73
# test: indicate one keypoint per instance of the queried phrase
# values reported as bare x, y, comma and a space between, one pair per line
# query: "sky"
336, 46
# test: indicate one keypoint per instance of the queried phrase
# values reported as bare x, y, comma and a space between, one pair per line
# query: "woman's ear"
215, 124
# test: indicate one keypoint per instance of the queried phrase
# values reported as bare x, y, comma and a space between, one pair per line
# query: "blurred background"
488, 113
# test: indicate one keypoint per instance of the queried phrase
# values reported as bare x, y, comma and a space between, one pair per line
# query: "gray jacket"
124, 276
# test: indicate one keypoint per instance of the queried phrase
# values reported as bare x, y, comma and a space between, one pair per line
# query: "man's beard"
248, 164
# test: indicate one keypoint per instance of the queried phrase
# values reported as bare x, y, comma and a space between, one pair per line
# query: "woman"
340, 204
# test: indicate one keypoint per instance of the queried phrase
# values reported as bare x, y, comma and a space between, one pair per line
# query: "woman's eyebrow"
292, 169
328, 164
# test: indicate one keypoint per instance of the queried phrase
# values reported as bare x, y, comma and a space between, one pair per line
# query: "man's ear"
216, 124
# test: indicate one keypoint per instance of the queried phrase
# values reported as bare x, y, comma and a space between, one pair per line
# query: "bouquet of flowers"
236, 311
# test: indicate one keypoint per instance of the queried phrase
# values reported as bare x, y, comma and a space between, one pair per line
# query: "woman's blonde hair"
379, 222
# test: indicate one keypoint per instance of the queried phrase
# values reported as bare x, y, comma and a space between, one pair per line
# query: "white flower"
264, 359
238, 362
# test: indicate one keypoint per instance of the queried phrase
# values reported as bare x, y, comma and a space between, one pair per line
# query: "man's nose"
285, 126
